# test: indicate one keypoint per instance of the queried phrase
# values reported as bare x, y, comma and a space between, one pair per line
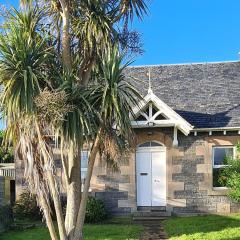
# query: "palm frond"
113, 96
129, 8
112, 99
24, 54
93, 27
78, 124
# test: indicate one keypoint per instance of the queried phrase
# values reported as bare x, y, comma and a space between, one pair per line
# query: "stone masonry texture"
189, 181
198, 199
189, 175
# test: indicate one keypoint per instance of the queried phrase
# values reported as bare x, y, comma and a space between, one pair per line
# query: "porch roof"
169, 118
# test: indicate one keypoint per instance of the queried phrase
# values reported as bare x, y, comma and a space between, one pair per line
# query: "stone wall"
116, 189
189, 175
195, 174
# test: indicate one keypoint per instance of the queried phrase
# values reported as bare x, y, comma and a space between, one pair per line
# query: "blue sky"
179, 31
190, 31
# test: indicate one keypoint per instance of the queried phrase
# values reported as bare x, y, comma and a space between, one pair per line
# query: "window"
84, 164
84, 167
150, 144
220, 155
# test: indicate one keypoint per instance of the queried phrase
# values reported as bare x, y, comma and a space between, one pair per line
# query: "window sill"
219, 188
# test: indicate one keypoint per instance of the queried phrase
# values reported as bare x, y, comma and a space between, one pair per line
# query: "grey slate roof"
207, 95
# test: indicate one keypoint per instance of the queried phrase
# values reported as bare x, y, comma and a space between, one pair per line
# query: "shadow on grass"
111, 229
226, 226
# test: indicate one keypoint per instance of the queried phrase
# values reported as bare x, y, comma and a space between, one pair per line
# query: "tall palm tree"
112, 97
65, 82
24, 59
83, 31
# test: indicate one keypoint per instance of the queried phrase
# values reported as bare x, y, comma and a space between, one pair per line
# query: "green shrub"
6, 217
26, 207
95, 211
230, 176
6, 153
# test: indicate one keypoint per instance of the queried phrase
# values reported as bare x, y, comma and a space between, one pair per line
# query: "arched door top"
150, 144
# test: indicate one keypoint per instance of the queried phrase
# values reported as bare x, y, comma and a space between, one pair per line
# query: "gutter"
216, 129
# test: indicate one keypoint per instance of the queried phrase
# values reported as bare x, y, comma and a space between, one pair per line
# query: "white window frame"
221, 166
84, 169
150, 142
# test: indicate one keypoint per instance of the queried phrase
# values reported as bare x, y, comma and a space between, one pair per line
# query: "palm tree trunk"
73, 190
66, 54
53, 187
57, 205
86, 72
48, 217
78, 233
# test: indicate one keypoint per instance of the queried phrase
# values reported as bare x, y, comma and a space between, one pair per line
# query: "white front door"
158, 178
151, 176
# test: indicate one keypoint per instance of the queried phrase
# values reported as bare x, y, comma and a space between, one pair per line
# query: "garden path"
153, 230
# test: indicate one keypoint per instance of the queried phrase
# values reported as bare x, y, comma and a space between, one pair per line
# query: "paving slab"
153, 230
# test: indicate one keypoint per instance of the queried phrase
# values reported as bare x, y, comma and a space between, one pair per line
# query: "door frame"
150, 149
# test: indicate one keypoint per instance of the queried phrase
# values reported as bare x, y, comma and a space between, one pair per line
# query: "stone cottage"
188, 123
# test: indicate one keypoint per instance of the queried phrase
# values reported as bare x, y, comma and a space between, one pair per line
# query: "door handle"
157, 180
143, 174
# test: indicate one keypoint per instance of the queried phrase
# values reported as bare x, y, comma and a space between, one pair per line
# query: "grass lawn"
107, 231
211, 227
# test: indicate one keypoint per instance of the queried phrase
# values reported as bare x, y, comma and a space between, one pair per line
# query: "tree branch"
47, 215
65, 166
82, 209
52, 185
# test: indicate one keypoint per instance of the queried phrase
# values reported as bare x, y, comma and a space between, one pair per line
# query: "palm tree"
69, 84
24, 57
84, 30
112, 98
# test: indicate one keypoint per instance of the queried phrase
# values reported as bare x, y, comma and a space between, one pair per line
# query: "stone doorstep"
151, 213
152, 209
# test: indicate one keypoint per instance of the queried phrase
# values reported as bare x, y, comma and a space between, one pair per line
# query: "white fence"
7, 170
